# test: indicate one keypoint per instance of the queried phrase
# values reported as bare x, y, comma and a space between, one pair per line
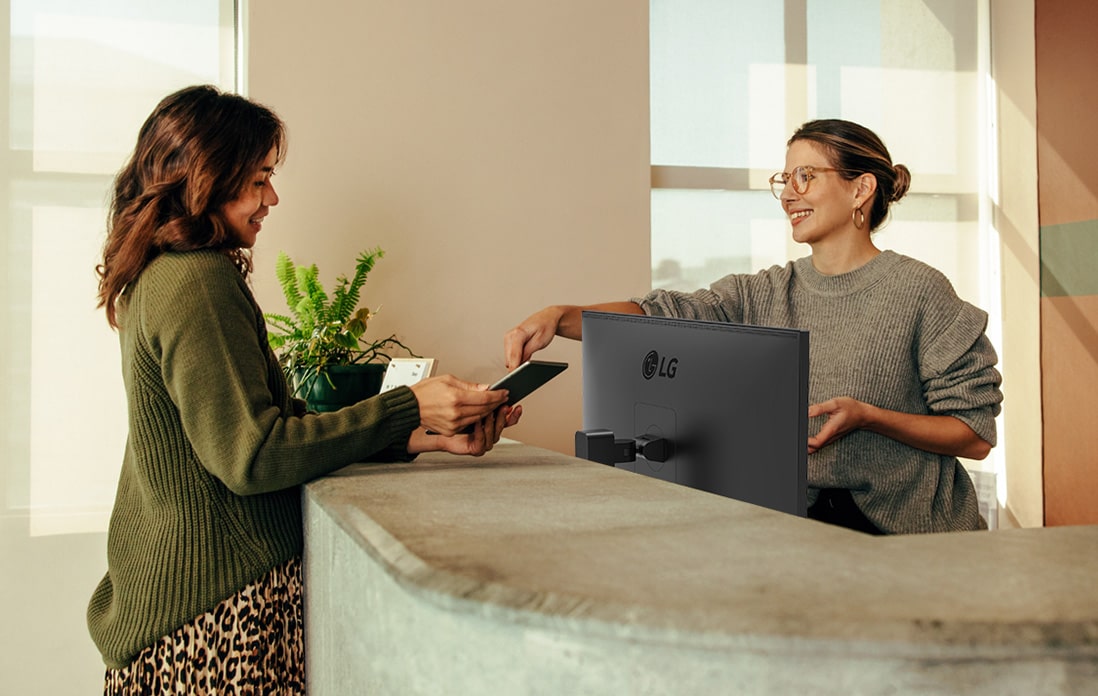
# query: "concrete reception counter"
529, 572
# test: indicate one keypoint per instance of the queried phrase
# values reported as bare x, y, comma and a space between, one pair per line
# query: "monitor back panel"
733, 399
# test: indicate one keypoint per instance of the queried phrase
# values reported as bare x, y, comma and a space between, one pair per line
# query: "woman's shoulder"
189, 262
777, 275
943, 312
180, 290
767, 280
914, 275
193, 269
911, 267
181, 279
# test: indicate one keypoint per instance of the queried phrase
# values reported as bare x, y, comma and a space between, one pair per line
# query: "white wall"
497, 150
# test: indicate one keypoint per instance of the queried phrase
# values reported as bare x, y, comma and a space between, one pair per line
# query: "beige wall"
497, 150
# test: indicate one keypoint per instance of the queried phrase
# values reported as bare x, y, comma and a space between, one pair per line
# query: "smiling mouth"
800, 215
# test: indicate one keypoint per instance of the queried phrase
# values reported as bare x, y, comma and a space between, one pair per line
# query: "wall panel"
1067, 158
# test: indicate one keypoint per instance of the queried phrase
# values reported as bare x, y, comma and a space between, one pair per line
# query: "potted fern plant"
321, 344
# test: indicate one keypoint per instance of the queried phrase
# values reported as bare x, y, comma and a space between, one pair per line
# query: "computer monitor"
730, 399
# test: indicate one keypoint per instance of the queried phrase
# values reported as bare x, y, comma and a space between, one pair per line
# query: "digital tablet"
527, 377
523, 380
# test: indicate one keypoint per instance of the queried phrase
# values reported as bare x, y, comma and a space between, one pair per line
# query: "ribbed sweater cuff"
403, 408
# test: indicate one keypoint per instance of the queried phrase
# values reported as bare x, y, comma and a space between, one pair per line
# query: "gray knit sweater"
208, 498
894, 334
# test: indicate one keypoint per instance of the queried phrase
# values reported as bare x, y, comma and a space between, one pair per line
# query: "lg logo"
654, 365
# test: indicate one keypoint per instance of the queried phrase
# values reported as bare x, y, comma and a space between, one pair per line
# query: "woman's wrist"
419, 442
871, 418
566, 320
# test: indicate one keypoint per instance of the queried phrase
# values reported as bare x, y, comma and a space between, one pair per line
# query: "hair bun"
903, 182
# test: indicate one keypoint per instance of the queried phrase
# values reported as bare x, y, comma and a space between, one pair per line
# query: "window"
83, 76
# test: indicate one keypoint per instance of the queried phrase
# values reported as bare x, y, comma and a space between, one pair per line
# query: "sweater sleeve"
202, 324
702, 304
959, 375
721, 301
739, 298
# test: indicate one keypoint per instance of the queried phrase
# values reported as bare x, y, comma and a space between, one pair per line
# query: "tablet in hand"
527, 377
521, 381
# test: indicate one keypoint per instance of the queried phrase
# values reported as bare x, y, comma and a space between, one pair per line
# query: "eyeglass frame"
810, 174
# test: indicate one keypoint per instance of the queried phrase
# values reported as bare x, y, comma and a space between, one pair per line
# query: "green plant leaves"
346, 295
284, 271
322, 331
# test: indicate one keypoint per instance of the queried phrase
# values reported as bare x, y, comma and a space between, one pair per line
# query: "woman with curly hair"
203, 590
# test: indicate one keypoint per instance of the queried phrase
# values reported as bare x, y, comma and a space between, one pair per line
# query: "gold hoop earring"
858, 221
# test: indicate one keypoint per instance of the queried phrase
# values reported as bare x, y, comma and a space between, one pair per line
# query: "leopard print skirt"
251, 643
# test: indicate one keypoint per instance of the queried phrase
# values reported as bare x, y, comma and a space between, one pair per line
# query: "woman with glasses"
903, 378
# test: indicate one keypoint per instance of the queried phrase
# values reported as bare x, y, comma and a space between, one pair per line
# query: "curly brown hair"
195, 152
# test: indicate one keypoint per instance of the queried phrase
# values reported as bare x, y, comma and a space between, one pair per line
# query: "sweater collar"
845, 283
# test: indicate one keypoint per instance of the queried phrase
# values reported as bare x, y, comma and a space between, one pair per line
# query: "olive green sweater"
892, 333
208, 498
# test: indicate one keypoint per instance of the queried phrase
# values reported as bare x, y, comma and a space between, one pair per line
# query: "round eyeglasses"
798, 179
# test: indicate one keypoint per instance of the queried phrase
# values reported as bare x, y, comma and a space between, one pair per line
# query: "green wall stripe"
1069, 259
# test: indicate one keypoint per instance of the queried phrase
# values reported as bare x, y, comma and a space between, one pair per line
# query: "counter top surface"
546, 537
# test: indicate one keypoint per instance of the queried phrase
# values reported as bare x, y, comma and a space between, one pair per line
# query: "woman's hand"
447, 405
538, 329
843, 415
938, 434
533, 334
486, 433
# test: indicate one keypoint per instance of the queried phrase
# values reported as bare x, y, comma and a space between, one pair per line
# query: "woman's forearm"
939, 434
571, 317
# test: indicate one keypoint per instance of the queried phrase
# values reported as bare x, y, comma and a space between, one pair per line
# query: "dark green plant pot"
353, 383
